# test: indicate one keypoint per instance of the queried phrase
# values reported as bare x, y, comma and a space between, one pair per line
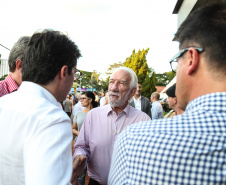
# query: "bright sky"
106, 32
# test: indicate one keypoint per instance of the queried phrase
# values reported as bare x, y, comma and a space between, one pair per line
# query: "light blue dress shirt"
156, 110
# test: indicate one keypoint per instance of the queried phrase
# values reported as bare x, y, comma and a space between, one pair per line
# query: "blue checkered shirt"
185, 149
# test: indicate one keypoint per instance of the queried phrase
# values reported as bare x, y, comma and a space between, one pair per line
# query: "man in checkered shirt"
189, 148
14, 79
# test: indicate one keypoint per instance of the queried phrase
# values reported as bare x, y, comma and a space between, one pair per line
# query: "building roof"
159, 88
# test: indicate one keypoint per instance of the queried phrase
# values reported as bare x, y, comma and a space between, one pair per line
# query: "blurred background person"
78, 106
67, 104
172, 101
140, 102
156, 110
87, 100
96, 97
104, 100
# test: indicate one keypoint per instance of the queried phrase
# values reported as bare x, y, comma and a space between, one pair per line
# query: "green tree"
105, 83
138, 63
85, 79
95, 81
148, 86
163, 79
3, 77
112, 68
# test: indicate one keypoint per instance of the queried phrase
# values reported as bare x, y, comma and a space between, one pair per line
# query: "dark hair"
139, 83
17, 52
171, 91
91, 95
47, 52
207, 28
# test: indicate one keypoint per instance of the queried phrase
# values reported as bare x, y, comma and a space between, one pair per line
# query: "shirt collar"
12, 84
125, 110
37, 90
213, 101
136, 99
155, 102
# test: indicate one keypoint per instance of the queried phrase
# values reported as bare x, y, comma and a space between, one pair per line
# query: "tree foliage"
94, 81
85, 79
112, 68
138, 63
3, 77
164, 78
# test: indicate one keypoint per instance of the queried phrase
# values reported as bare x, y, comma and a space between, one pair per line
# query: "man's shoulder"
144, 98
135, 112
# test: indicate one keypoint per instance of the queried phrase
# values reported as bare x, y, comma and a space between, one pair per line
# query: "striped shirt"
186, 149
8, 86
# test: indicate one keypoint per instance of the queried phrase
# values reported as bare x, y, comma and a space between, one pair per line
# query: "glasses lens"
174, 64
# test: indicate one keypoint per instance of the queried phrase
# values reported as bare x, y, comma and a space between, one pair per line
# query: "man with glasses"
188, 148
36, 133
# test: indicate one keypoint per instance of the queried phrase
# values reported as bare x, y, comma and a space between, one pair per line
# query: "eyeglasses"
174, 61
77, 75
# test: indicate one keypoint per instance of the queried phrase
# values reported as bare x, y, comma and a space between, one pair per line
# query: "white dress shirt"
35, 139
137, 102
103, 101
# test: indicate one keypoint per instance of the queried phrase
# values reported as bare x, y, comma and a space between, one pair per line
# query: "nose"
113, 87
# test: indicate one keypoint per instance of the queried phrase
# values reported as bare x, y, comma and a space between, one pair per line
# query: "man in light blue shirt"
156, 110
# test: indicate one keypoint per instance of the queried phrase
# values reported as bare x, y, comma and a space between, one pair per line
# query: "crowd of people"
119, 138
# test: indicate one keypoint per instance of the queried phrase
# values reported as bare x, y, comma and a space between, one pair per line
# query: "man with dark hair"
188, 148
140, 102
67, 104
14, 79
36, 144
156, 109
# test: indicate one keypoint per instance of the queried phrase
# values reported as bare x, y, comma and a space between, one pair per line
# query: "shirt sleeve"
47, 153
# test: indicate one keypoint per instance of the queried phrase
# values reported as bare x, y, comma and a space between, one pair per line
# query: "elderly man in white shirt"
36, 133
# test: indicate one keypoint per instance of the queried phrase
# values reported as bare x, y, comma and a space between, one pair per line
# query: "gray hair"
155, 95
17, 52
134, 80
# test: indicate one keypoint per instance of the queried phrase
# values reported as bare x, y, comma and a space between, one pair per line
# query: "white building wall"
184, 11
4, 67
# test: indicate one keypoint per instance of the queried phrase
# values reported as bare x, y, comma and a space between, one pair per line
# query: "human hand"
78, 165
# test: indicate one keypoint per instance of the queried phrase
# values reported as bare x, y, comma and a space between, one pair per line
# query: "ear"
63, 72
175, 100
19, 64
193, 57
132, 92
